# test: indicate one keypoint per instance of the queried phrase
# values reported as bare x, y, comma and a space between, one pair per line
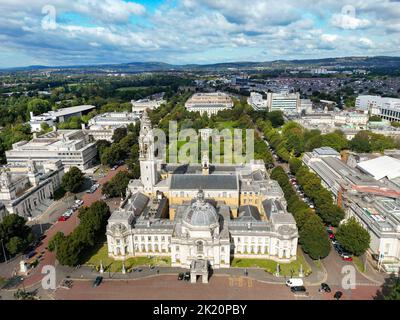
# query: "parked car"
325, 288
97, 281
63, 218
298, 289
334, 241
30, 255
79, 202
331, 236
346, 256
187, 276
295, 282
181, 276
114, 168
338, 295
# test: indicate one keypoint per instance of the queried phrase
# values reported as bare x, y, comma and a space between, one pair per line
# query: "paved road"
66, 227
220, 287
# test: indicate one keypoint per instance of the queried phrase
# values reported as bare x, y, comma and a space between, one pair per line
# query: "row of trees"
15, 235
293, 140
124, 147
71, 249
312, 233
325, 207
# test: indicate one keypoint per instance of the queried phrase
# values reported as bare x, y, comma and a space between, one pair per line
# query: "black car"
298, 289
187, 276
325, 288
97, 281
338, 295
181, 276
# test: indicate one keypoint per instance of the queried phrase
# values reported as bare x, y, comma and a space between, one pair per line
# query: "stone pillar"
193, 277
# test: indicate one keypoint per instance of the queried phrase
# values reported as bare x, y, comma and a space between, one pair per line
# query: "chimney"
31, 114
54, 128
34, 135
83, 126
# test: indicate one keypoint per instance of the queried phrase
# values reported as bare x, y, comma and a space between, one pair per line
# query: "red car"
63, 218
345, 257
331, 236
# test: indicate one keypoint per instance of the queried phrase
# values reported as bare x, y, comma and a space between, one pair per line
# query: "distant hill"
382, 62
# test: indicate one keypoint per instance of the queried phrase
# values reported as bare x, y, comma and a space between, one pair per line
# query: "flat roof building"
102, 126
210, 103
72, 147
61, 115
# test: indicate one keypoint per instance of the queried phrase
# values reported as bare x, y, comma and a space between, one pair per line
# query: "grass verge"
112, 265
270, 265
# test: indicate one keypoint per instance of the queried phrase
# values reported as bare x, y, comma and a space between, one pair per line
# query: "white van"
295, 282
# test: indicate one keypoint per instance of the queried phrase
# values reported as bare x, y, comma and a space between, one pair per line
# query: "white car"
79, 202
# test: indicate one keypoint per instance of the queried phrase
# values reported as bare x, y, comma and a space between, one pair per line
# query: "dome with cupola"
201, 213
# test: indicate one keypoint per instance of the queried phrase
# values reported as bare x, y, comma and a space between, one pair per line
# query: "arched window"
200, 247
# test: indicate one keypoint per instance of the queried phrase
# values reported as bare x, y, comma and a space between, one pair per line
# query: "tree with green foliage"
72, 248
55, 242
119, 133
16, 235
38, 106
15, 245
313, 238
394, 291
73, 180
116, 187
353, 237
294, 165
112, 155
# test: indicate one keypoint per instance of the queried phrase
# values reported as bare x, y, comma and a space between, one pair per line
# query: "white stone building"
256, 101
210, 103
29, 190
201, 214
102, 127
139, 106
72, 147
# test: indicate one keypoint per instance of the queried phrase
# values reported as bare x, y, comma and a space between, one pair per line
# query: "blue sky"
65, 32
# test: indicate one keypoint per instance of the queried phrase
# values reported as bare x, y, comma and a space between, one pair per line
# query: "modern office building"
72, 147
386, 108
210, 103
365, 194
288, 103
28, 190
53, 117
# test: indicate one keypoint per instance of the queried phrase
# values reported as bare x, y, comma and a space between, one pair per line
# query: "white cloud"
347, 21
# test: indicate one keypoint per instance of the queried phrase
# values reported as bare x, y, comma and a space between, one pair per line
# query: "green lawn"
358, 263
270, 265
3, 281
116, 266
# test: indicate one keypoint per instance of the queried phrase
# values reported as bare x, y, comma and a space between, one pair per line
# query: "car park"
97, 281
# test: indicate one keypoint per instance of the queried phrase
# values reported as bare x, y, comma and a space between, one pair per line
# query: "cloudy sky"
70, 32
